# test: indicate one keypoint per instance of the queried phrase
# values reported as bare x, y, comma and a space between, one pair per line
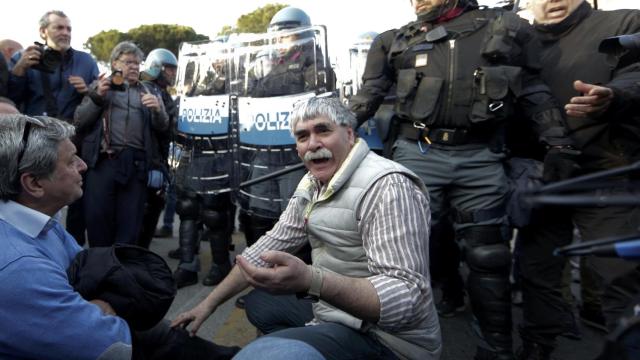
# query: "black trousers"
114, 200
546, 314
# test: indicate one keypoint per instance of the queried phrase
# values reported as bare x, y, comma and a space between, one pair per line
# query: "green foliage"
256, 21
147, 37
226, 30
101, 44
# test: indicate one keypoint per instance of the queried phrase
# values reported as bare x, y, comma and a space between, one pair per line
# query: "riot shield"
358, 52
204, 121
270, 73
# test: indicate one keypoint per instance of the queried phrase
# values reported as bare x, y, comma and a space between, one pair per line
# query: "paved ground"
229, 326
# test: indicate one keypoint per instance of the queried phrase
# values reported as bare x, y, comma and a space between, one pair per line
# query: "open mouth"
557, 11
319, 161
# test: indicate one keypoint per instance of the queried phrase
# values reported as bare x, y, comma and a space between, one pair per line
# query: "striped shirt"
394, 224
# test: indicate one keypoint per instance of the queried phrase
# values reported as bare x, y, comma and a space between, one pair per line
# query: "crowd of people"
344, 257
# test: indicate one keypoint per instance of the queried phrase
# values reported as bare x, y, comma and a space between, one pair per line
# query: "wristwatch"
313, 294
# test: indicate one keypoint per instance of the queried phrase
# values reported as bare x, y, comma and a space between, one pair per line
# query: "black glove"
560, 163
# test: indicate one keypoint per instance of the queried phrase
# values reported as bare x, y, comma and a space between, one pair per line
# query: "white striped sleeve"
395, 220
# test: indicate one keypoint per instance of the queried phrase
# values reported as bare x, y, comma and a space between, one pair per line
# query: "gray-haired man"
42, 316
119, 148
367, 220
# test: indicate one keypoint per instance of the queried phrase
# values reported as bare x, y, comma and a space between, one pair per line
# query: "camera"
117, 81
50, 59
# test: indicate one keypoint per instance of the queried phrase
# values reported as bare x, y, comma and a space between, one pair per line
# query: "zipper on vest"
452, 68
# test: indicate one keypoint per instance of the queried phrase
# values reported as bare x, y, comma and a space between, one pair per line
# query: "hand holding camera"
30, 57
118, 82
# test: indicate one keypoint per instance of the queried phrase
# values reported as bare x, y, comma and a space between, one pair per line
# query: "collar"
27, 220
553, 32
451, 14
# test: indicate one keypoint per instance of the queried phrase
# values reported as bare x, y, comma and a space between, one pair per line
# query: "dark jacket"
88, 119
296, 72
137, 283
472, 72
570, 52
28, 90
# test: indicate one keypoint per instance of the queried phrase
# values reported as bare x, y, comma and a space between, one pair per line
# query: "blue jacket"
27, 90
41, 314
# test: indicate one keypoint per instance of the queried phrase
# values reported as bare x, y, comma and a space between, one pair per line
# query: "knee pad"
489, 258
214, 219
485, 249
187, 207
262, 224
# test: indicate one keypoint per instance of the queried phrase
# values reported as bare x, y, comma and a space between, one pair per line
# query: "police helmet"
156, 60
289, 18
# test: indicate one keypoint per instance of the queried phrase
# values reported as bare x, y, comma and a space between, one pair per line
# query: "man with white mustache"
604, 126
367, 293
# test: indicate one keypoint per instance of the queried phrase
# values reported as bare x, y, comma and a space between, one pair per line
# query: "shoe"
448, 307
175, 254
533, 351
163, 232
184, 278
486, 354
572, 332
240, 304
593, 318
216, 274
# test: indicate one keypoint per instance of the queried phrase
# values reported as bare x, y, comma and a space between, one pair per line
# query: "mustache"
317, 155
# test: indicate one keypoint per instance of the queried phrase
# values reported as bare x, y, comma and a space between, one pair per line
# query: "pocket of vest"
494, 90
417, 97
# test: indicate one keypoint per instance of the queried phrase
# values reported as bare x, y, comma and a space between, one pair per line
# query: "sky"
345, 19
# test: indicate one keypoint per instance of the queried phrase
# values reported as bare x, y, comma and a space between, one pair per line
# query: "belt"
442, 135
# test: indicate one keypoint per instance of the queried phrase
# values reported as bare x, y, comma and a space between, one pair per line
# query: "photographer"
118, 114
51, 79
604, 127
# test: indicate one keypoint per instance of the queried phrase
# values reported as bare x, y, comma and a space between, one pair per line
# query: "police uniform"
204, 204
292, 73
609, 140
458, 83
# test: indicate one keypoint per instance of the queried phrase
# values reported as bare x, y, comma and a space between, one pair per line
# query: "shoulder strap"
50, 102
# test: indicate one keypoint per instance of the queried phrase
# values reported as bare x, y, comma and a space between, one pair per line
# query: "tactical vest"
332, 228
463, 74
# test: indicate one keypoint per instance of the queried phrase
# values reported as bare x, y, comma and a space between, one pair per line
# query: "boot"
533, 351
175, 254
184, 277
163, 232
216, 274
486, 354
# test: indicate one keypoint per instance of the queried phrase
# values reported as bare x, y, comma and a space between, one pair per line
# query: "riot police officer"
202, 180
159, 72
458, 72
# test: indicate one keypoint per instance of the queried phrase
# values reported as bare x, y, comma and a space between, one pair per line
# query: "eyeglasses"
130, 62
25, 139
26, 131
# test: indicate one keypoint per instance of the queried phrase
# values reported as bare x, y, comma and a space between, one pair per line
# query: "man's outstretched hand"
288, 274
594, 101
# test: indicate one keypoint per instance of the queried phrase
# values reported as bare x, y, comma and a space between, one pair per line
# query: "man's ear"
352, 135
43, 34
31, 185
